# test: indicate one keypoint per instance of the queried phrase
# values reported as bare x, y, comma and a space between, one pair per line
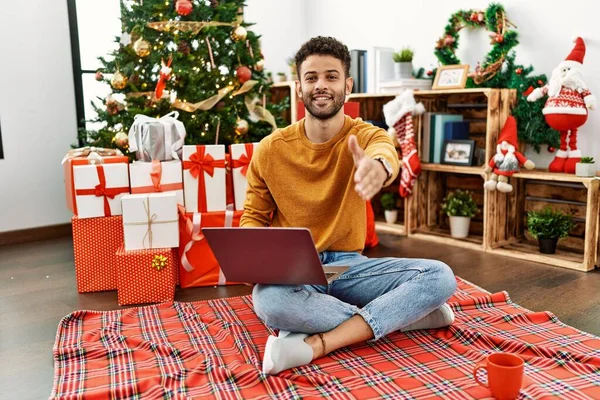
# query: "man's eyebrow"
329, 71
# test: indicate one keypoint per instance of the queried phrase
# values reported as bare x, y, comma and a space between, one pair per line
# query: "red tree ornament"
183, 7
243, 74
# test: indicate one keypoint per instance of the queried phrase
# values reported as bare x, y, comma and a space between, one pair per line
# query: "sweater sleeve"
259, 204
377, 143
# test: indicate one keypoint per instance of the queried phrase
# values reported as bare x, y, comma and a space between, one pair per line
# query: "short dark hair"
324, 46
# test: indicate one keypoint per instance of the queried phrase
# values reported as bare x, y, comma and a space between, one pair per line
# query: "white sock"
439, 318
287, 351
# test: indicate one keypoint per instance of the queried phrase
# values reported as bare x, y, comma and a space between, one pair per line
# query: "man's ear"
349, 84
298, 88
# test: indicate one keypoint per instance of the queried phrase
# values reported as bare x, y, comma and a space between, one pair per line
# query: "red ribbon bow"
198, 164
100, 190
156, 175
244, 160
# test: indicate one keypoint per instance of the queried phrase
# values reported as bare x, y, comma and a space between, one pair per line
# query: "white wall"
545, 35
283, 26
37, 107
37, 112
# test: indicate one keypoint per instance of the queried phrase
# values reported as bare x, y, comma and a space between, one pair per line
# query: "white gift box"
157, 138
150, 221
157, 177
99, 189
204, 178
241, 154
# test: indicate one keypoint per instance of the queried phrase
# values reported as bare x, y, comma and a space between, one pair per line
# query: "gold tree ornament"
260, 65
142, 48
239, 34
241, 127
118, 81
121, 139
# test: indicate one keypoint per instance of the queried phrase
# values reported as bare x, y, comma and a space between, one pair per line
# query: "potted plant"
586, 167
548, 226
403, 63
291, 61
460, 208
388, 203
282, 77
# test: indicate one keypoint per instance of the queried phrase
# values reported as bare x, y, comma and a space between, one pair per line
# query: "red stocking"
411, 167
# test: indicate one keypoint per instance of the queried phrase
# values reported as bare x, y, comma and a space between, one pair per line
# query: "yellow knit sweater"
311, 185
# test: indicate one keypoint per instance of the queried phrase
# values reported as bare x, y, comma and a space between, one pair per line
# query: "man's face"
323, 86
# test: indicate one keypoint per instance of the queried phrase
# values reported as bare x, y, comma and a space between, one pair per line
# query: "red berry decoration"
551, 149
99, 76
499, 38
540, 82
519, 71
429, 73
183, 7
243, 74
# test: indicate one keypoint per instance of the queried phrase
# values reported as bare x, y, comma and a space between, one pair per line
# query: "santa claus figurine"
507, 159
567, 106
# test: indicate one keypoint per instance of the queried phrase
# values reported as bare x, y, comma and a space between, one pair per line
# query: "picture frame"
458, 152
451, 77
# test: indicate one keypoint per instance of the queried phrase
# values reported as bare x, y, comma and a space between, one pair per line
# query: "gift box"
150, 221
198, 266
204, 187
157, 177
158, 139
86, 156
146, 276
99, 188
241, 154
95, 241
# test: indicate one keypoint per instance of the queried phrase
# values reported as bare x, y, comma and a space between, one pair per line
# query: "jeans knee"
268, 302
445, 280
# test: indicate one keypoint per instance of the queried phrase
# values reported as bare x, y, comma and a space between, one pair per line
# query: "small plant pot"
282, 78
403, 70
391, 216
547, 246
459, 226
585, 170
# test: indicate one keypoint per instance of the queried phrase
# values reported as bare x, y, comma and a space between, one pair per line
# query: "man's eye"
332, 77
310, 78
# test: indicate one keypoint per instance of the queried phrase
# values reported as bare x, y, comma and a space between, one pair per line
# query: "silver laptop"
283, 256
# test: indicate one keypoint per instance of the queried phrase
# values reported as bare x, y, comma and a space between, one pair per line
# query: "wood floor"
37, 288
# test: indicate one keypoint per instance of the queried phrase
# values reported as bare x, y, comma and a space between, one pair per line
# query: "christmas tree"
194, 57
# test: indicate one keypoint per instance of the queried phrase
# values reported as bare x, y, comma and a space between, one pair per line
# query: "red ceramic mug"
505, 375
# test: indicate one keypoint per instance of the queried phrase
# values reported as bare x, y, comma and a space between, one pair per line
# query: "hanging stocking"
398, 114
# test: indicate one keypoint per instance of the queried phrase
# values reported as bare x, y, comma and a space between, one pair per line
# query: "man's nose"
321, 84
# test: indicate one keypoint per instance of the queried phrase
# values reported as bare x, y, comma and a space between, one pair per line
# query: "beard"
324, 113
573, 79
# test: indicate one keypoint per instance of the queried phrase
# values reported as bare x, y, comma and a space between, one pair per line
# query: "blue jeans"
389, 293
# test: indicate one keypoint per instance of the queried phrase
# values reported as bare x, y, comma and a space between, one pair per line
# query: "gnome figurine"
507, 159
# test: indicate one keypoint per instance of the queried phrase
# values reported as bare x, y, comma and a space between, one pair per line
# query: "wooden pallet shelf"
500, 226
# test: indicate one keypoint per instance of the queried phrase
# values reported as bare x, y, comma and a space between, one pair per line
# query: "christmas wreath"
503, 39
499, 70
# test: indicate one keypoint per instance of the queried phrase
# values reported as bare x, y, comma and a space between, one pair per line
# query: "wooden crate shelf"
500, 226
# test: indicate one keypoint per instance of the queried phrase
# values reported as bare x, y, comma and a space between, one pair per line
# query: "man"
318, 173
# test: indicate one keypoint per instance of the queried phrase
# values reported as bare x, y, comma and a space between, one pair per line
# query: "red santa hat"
509, 132
575, 58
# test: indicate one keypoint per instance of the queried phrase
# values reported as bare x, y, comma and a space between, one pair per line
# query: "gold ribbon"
95, 155
151, 219
260, 112
159, 262
203, 105
185, 26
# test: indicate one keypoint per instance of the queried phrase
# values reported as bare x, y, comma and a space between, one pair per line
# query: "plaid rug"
213, 349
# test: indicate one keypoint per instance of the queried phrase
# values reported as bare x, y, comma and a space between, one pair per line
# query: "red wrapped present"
86, 156
146, 276
198, 265
95, 241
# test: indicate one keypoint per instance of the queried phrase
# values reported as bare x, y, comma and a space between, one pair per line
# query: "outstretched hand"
370, 174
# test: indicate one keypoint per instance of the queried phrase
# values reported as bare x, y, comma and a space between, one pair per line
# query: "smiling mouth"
321, 99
